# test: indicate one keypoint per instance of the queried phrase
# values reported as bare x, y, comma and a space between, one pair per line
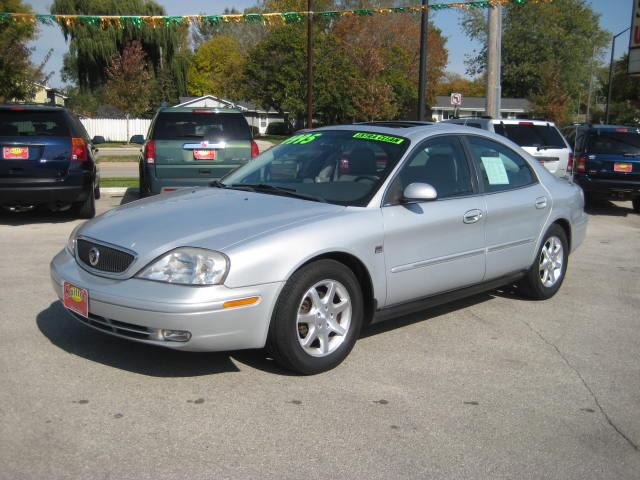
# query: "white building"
475, 107
256, 116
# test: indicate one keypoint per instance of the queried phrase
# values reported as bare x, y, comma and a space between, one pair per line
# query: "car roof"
193, 109
599, 126
32, 106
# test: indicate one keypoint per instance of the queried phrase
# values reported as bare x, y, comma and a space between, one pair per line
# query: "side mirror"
419, 192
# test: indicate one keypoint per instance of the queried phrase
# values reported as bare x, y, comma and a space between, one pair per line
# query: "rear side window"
613, 142
530, 135
33, 123
500, 167
201, 126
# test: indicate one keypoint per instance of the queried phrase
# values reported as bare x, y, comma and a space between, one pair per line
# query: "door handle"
541, 202
472, 216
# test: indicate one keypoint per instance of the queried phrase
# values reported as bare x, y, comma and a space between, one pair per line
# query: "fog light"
176, 335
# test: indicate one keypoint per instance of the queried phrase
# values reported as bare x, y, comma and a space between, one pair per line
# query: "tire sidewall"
535, 281
283, 329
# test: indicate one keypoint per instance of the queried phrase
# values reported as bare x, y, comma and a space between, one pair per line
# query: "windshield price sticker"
379, 138
302, 139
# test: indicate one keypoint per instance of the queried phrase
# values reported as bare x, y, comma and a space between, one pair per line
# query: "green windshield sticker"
301, 139
379, 138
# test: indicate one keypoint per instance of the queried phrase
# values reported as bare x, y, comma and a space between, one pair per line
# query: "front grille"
120, 328
110, 259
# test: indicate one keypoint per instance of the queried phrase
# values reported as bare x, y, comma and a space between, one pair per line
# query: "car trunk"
35, 145
194, 159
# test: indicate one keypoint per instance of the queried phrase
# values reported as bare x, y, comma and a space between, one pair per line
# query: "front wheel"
545, 276
317, 318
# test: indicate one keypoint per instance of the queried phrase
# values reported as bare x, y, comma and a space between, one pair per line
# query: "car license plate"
76, 299
622, 167
204, 154
15, 153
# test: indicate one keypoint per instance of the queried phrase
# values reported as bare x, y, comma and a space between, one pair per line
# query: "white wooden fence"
116, 129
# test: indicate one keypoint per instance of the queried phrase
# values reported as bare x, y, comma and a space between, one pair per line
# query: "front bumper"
137, 309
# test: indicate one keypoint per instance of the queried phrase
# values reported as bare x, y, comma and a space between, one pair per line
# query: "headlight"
188, 266
71, 243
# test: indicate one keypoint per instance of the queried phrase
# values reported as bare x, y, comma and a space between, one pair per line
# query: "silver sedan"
329, 231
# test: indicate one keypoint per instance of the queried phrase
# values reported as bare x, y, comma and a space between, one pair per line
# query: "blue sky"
615, 16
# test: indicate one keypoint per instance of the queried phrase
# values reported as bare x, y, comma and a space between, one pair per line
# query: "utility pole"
613, 48
494, 59
422, 75
309, 65
588, 116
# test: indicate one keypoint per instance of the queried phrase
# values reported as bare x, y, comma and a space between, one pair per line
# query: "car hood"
208, 218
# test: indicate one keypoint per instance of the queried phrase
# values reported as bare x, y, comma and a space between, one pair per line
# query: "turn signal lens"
242, 302
255, 151
581, 164
79, 150
150, 151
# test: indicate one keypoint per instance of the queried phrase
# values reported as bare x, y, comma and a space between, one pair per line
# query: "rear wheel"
86, 208
143, 186
545, 276
317, 318
636, 204
96, 192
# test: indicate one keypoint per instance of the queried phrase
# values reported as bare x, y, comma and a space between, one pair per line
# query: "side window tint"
441, 163
500, 167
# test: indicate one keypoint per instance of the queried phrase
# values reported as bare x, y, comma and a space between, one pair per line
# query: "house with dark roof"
476, 107
256, 116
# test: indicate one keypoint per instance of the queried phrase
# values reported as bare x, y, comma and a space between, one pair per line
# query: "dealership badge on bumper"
76, 299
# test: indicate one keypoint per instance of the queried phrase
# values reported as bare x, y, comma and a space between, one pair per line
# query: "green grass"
275, 139
117, 158
118, 182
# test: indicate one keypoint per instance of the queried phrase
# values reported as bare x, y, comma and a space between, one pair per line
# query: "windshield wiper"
289, 192
545, 147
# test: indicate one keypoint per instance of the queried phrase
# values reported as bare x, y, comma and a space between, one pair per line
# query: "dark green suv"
190, 146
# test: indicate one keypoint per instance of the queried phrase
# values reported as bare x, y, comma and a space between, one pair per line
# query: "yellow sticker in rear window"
379, 137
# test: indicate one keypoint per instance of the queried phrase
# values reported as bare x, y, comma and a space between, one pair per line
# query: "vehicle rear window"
614, 142
33, 123
206, 126
527, 135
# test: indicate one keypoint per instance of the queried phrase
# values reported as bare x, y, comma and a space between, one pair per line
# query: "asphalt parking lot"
491, 387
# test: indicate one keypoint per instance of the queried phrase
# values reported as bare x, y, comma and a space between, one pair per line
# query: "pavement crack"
586, 385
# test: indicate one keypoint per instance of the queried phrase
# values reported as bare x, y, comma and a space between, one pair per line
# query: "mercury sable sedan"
329, 231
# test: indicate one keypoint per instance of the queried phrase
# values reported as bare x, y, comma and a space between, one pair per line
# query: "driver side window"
440, 162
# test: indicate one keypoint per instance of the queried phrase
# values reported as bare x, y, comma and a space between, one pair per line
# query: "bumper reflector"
175, 335
242, 302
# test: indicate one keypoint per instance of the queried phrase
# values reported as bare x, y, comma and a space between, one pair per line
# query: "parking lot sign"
456, 98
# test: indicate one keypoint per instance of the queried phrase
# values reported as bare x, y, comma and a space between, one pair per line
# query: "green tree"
625, 94
216, 68
92, 46
17, 72
127, 86
456, 83
546, 51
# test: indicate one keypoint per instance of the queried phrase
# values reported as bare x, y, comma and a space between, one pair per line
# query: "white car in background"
539, 138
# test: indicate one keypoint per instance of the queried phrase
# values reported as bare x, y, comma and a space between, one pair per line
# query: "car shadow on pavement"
425, 315
68, 334
599, 206
38, 215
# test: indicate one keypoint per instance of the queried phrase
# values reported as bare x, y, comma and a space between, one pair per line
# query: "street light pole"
613, 47
494, 50
309, 65
422, 74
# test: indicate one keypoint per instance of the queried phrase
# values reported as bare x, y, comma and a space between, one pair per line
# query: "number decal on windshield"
301, 139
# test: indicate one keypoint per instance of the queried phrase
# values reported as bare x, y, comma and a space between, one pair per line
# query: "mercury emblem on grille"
94, 256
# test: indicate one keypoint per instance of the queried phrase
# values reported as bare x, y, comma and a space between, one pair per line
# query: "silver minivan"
540, 138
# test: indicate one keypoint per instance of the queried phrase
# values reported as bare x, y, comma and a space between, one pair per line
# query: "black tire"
532, 285
96, 192
86, 208
636, 204
284, 332
143, 187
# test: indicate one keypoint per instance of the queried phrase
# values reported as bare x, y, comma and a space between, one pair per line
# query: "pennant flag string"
136, 21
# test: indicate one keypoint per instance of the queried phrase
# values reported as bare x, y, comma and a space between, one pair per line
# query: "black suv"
607, 161
48, 159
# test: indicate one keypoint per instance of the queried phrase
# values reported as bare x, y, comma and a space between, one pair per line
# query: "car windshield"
613, 142
201, 124
527, 134
33, 123
345, 167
